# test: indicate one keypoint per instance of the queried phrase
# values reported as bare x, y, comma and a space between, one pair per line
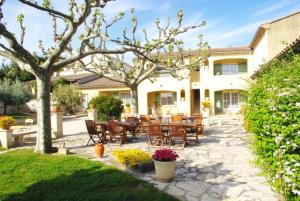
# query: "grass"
28, 176
2, 149
20, 116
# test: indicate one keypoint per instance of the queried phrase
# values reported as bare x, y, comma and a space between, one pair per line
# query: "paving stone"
218, 168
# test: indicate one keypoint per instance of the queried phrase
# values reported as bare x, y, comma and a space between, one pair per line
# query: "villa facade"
221, 79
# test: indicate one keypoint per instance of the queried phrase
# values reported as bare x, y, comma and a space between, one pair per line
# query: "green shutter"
218, 102
243, 68
243, 97
157, 98
217, 69
174, 98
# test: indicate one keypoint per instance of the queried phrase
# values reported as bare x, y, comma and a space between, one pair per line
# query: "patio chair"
92, 131
177, 118
133, 129
143, 125
177, 132
196, 131
155, 133
116, 134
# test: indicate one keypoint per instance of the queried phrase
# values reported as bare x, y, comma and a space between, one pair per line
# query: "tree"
68, 96
82, 19
13, 93
13, 72
157, 55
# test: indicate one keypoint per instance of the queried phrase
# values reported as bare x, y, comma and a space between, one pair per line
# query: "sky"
228, 22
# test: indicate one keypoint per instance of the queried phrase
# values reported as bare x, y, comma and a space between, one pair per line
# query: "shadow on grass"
106, 183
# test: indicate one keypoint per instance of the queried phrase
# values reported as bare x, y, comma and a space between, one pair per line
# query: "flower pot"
99, 150
165, 170
127, 110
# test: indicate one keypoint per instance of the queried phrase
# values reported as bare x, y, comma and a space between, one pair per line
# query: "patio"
218, 168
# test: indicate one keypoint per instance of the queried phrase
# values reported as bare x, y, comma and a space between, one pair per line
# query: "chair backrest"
199, 129
163, 119
154, 128
132, 119
196, 119
114, 127
177, 118
176, 130
91, 127
144, 118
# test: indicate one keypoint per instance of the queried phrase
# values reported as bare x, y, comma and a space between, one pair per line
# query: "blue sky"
229, 22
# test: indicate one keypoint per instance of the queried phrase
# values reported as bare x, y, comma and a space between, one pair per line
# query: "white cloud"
266, 9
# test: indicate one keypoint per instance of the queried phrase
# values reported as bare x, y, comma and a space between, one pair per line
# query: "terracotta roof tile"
100, 83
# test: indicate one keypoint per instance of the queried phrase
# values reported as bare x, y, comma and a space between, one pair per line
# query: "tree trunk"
44, 140
134, 100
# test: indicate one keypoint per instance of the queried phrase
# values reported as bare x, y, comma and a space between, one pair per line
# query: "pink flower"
165, 155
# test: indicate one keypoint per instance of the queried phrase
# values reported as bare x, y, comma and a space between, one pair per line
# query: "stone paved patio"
216, 169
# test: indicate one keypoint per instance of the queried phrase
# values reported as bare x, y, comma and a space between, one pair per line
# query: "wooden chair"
197, 131
133, 129
177, 118
177, 132
155, 133
116, 133
92, 131
143, 125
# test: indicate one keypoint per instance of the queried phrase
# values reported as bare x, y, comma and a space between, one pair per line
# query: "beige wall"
283, 31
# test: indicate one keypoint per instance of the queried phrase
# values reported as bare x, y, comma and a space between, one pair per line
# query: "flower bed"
133, 159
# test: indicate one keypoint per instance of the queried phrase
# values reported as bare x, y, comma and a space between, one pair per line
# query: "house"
221, 79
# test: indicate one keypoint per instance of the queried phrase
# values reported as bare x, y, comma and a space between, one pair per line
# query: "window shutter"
217, 69
243, 97
242, 67
174, 98
157, 97
218, 102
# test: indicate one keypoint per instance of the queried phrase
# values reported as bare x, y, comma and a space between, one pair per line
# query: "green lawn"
20, 116
28, 176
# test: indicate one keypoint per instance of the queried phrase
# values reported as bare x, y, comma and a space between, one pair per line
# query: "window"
125, 97
231, 99
168, 98
228, 69
85, 101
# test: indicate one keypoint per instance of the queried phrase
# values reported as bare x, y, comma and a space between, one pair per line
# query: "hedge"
273, 118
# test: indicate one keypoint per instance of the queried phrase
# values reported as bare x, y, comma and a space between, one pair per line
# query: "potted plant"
56, 107
6, 122
127, 108
165, 164
206, 104
99, 150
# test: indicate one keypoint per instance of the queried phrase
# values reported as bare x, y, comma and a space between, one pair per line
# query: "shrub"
273, 114
59, 82
69, 97
13, 93
131, 157
6, 122
107, 106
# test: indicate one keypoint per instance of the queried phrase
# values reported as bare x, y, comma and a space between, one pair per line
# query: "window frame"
170, 96
231, 70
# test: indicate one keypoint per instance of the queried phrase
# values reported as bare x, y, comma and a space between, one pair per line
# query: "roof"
100, 83
73, 77
263, 27
224, 50
294, 47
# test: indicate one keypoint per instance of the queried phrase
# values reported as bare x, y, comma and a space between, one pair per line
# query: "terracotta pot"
165, 170
99, 150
